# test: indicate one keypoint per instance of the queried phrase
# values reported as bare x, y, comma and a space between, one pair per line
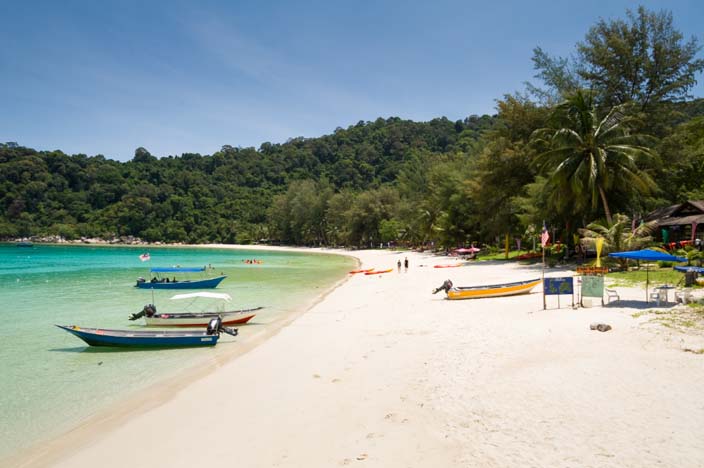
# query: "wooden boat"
150, 339
454, 265
378, 272
361, 271
493, 290
195, 319
160, 281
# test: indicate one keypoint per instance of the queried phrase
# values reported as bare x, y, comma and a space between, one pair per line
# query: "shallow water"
50, 380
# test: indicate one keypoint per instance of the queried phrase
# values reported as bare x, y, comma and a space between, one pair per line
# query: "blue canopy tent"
649, 256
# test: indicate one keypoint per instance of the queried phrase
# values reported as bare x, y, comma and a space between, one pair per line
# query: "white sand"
382, 373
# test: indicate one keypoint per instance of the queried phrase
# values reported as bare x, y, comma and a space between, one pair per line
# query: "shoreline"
380, 371
45, 452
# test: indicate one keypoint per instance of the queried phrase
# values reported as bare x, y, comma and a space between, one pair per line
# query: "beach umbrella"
647, 255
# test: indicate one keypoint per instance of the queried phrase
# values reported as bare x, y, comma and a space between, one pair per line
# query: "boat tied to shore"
195, 319
159, 279
490, 290
151, 338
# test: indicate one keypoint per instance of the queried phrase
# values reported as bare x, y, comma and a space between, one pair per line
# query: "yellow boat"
493, 290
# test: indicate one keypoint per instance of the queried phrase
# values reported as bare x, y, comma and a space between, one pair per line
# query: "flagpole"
543, 242
542, 278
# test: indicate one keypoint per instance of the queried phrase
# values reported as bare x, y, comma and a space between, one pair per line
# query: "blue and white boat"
160, 279
149, 338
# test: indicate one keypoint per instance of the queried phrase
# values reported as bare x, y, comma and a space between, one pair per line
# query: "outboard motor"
214, 326
446, 286
149, 310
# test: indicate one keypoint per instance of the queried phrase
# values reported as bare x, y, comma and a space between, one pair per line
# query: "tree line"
611, 130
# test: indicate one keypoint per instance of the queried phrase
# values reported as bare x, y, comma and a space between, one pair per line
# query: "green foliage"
655, 275
642, 60
618, 236
588, 158
568, 158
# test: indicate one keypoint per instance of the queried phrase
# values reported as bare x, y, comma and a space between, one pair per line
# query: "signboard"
556, 286
593, 286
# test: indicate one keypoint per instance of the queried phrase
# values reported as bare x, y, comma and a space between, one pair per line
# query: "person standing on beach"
398, 264
405, 264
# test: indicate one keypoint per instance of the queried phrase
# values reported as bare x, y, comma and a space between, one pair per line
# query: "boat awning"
177, 270
210, 295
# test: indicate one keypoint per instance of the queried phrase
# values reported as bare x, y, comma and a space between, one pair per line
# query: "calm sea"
50, 380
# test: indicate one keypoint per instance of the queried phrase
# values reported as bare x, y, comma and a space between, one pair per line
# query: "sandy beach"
380, 372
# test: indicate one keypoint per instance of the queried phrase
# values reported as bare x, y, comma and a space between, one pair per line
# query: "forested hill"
610, 134
223, 197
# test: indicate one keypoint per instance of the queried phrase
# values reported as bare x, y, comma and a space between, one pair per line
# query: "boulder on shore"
602, 327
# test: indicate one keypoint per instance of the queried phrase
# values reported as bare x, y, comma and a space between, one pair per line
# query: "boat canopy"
177, 269
211, 295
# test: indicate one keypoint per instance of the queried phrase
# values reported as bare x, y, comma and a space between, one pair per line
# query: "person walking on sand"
405, 264
399, 265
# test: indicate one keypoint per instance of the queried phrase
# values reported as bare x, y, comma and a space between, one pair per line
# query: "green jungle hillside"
611, 131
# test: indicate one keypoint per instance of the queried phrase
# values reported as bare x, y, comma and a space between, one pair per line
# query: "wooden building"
679, 225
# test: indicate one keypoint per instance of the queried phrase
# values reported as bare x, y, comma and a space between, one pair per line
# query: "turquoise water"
50, 380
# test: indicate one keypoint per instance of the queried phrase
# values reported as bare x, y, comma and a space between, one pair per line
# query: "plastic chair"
684, 296
656, 296
611, 294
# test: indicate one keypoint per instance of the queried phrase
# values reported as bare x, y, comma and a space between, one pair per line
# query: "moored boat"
160, 281
491, 290
150, 339
378, 272
192, 319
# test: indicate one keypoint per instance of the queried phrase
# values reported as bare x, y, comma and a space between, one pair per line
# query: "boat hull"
234, 317
141, 339
495, 290
378, 272
185, 284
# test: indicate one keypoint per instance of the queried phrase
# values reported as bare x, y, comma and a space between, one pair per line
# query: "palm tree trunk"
607, 211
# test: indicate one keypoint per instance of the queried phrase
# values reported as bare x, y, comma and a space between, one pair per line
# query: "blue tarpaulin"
647, 255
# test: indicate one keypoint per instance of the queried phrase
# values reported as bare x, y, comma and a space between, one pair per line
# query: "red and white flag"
545, 236
144, 257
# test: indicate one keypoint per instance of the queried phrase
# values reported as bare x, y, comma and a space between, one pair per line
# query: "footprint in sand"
362, 456
335, 380
316, 376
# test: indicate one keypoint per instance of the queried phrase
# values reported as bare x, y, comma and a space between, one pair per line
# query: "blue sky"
99, 77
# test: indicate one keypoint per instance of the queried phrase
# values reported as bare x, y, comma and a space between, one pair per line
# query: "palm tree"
618, 235
584, 156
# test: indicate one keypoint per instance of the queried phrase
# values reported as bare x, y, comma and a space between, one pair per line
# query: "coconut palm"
619, 236
584, 157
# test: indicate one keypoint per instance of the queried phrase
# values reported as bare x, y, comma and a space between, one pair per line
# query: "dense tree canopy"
569, 157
